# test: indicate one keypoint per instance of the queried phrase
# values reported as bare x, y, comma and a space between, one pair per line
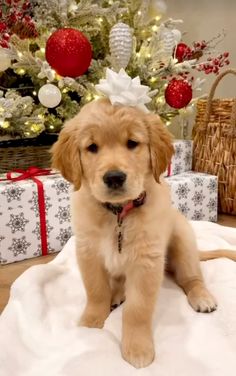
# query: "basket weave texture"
214, 144
21, 154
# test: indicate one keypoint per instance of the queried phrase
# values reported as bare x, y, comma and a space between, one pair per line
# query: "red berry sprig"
214, 64
15, 19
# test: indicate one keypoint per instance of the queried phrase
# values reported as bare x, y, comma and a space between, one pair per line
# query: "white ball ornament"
49, 95
5, 60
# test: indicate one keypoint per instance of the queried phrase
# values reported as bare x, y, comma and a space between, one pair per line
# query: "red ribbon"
32, 173
169, 170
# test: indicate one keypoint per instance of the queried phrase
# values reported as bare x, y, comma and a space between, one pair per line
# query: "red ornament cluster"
69, 52
15, 19
178, 93
213, 65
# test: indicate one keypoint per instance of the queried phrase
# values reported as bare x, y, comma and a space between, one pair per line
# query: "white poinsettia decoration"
121, 89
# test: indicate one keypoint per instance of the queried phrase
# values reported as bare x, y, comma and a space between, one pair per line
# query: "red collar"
122, 210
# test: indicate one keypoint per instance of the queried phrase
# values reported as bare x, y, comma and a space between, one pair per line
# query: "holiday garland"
54, 52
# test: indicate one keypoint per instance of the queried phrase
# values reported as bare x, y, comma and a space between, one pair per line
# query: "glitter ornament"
120, 43
69, 52
178, 93
5, 61
168, 40
49, 95
183, 52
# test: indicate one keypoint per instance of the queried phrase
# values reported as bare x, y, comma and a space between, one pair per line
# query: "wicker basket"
214, 151
23, 153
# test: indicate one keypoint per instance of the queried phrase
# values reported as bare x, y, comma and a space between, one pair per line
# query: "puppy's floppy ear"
66, 155
160, 143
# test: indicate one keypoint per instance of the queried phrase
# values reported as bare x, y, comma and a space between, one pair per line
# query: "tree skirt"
39, 333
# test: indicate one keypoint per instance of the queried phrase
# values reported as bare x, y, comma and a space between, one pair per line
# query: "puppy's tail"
210, 255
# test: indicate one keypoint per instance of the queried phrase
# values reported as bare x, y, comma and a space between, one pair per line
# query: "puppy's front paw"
139, 354
201, 300
94, 318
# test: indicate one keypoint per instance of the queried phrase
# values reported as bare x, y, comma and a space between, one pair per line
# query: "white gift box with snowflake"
20, 229
195, 195
182, 159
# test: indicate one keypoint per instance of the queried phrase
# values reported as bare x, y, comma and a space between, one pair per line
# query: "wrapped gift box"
182, 159
195, 195
21, 230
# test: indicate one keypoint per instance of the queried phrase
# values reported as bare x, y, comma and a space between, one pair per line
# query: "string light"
40, 116
96, 96
88, 97
34, 93
100, 20
160, 100
42, 49
35, 127
154, 28
21, 71
64, 90
157, 18
57, 76
153, 79
168, 123
20, 54
4, 124
73, 7
148, 55
138, 54
139, 12
27, 133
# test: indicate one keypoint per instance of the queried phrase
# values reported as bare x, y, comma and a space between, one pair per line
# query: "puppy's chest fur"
116, 262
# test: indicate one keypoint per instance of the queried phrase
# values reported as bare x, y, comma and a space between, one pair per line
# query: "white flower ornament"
121, 89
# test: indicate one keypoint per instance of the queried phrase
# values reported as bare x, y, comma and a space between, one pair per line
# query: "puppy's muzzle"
114, 179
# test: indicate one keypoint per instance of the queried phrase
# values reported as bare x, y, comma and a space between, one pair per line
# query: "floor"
8, 273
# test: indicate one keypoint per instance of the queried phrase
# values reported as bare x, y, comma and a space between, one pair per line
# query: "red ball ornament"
69, 52
183, 52
178, 93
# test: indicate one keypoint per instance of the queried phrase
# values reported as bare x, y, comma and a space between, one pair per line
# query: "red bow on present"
32, 173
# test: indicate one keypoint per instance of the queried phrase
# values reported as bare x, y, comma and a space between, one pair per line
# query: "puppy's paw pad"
138, 356
203, 302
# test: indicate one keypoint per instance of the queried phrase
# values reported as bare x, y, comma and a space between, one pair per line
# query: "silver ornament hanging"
120, 43
168, 40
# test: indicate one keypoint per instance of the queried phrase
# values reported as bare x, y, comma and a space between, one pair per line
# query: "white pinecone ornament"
170, 37
120, 43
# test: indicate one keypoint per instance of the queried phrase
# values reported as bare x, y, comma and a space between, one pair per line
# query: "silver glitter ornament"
168, 40
120, 43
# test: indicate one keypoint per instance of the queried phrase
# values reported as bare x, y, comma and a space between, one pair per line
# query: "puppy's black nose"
114, 178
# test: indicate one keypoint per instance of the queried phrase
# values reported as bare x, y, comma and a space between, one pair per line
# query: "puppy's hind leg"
183, 261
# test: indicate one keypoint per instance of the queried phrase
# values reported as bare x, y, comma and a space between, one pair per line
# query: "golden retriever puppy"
125, 227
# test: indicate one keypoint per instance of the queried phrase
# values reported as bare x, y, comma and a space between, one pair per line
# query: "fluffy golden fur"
154, 235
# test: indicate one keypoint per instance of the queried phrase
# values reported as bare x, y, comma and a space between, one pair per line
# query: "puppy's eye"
93, 148
131, 144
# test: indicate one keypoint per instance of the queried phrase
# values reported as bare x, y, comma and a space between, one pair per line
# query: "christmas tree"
54, 52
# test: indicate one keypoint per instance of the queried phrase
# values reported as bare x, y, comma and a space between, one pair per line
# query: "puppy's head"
112, 149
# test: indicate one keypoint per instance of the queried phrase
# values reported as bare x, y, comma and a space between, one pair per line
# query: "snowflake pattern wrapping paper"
195, 195
182, 159
20, 236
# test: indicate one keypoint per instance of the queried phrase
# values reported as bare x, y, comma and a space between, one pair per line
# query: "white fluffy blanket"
39, 333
